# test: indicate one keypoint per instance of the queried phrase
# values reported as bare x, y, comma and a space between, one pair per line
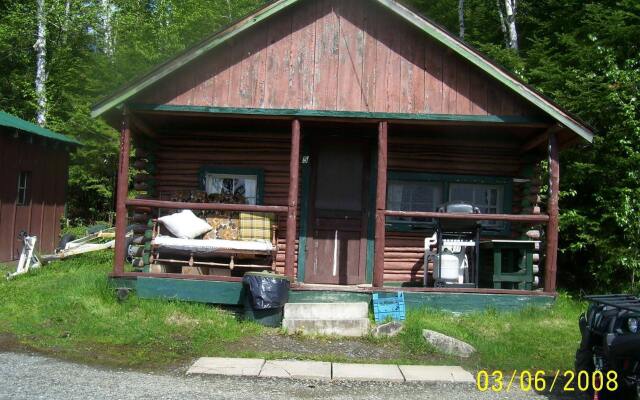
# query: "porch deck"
285, 151
230, 293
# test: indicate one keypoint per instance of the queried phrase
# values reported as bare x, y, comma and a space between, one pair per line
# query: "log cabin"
34, 165
353, 124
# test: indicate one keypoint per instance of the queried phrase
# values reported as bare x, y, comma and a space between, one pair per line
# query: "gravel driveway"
34, 377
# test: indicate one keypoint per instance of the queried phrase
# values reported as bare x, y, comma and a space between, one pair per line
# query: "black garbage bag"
266, 290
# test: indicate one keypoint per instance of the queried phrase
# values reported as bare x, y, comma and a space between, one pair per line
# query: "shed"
352, 122
34, 165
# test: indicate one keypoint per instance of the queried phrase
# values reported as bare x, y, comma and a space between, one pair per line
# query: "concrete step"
326, 311
354, 327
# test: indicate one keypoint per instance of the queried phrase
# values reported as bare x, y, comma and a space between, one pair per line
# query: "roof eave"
189, 55
478, 60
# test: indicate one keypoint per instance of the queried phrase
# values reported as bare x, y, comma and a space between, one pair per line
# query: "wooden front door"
338, 211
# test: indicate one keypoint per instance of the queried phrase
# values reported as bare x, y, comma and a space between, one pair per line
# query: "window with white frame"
24, 181
231, 187
488, 198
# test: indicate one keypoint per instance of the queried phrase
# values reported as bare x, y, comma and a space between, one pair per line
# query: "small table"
519, 254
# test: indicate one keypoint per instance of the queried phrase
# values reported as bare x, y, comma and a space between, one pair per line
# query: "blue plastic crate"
385, 307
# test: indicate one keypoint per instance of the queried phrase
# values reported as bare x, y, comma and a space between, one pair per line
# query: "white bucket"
449, 267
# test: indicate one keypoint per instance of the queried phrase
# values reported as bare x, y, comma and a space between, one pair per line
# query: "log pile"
144, 183
527, 200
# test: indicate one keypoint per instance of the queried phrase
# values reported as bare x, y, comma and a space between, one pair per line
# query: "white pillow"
185, 225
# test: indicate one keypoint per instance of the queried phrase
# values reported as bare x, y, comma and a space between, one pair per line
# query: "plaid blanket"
256, 226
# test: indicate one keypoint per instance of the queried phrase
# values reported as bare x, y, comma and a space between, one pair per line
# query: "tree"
84, 50
461, 17
107, 35
511, 8
41, 64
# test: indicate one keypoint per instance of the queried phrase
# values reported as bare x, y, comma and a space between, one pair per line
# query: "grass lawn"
68, 310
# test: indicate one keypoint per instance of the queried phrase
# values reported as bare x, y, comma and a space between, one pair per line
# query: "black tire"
630, 393
64, 240
584, 362
122, 294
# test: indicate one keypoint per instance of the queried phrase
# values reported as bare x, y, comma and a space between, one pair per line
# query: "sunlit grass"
533, 338
69, 310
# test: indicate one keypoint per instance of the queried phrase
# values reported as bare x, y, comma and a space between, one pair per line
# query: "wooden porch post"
552, 226
122, 192
292, 215
381, 205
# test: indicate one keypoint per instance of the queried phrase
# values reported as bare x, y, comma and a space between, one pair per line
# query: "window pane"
459, 192
413, 196
488, 198
24, 193
232, 188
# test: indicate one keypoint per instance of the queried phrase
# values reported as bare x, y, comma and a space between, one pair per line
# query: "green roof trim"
284, 112
11, 121
459, 47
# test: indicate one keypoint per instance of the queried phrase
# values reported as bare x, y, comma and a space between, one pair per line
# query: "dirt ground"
335, 348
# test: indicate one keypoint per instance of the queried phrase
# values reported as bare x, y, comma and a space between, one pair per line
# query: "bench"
207, 252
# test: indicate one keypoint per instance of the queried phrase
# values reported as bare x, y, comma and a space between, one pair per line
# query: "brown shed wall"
48, 164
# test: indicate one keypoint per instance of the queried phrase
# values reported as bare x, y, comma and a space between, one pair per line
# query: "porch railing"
524, 218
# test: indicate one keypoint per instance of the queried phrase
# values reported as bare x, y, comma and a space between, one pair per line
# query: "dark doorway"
338, 210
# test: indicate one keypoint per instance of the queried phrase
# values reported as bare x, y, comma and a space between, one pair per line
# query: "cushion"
200, 247
185, 225
256, 226
223, 227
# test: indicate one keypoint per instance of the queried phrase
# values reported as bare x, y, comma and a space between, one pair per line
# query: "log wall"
180, 156
336, 55
404, 251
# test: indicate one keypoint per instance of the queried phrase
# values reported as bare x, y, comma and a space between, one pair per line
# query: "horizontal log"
303, 287
204, 206
403, 249
469, 217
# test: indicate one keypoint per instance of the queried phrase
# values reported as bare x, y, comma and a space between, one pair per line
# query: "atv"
610, 331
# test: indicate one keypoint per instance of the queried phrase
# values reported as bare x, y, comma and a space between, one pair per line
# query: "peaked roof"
11, 121
430, 28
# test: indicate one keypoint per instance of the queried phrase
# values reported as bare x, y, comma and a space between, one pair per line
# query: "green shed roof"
11, 121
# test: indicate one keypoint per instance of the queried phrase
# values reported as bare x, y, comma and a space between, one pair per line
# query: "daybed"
249, 242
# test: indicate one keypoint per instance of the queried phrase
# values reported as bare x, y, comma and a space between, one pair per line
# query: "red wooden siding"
48, 166
180, 157
336, 55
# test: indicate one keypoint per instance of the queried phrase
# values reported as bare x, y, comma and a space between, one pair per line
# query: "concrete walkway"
320, 370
